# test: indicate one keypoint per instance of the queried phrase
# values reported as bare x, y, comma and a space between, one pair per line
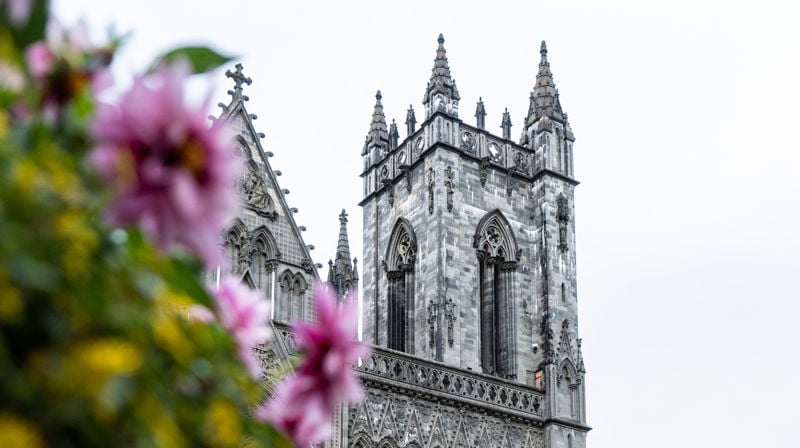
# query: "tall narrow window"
265, 255
237, 245
497, 260
290, 305
400, 295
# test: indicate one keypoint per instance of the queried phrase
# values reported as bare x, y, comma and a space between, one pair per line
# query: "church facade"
470, 299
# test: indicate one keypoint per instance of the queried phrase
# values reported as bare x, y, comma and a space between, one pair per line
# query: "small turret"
393, 136
480, 114
506, 125
441, 95
377, 143
544, 98
411, 121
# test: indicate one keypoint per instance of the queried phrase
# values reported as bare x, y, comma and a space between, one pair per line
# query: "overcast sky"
686, 120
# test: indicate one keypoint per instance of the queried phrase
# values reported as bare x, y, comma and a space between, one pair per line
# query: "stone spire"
544, 98
480, 114
378, 136
342, 272
506, 125
441, 95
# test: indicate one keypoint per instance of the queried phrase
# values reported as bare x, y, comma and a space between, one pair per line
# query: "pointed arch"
567, 383
399, 265
386, 442
498, 253
495, 236
361, 441
290, 302
402, 250
247, 279
263, 259
298, 301
237, 246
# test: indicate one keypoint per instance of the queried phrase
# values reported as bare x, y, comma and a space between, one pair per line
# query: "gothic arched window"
237, 247
265, 254
399, 266
497, 259
291, 296
568, 401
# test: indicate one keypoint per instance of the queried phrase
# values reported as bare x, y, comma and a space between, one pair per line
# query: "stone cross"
239, 79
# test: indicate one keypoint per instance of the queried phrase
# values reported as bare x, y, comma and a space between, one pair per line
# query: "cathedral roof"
259, 188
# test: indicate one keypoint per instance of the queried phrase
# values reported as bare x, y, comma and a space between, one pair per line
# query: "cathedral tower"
469, 264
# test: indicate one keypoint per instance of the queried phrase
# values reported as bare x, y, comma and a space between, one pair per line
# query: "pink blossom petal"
183, 168
39, 59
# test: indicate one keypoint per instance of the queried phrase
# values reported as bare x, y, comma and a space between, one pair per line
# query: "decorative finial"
378, 95
441, 39
543, 49
238, 79
343, 217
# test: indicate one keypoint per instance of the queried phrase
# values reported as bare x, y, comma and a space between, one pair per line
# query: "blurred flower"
173, 172
66, 62
245, 314
16, 432
18, 10
199, 313
304, 403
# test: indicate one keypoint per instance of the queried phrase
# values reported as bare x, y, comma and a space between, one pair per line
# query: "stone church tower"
470, 299
469, 281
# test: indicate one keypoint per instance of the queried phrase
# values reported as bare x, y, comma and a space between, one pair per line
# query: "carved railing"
398, 369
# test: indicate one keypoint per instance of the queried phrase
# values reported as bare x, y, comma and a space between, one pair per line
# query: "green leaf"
184, 277
202, 59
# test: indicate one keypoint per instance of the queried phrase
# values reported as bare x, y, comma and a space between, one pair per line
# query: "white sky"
685, 114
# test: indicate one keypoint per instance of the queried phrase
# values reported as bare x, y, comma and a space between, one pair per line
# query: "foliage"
96, 346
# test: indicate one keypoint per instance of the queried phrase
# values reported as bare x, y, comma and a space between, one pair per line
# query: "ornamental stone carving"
484, 170
468, 142
450, 317
431, 185
520, 161
449, 183
253, 189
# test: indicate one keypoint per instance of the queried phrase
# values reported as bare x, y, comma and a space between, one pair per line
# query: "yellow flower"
92, 363
108, 356
81, 242
16, 432
161, 423
10, 301
222, 425
171, 336
25, 177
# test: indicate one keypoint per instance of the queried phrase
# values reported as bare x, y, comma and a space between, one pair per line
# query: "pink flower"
18, 10
173, 172
67, 61
40, 60
244, 313
304, 403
